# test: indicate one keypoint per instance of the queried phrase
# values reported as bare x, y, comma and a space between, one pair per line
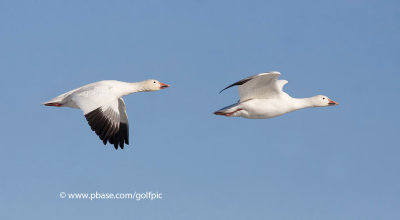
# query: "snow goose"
104, 108
261, 96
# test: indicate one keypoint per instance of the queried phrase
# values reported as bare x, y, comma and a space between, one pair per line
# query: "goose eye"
323, 98
154, 82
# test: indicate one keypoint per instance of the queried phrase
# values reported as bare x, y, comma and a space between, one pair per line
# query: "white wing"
281, 83
106, 116
260, 86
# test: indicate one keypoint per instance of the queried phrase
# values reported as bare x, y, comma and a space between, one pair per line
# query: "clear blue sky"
323, 163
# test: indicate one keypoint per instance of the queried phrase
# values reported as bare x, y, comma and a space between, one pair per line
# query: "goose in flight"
104, 108
261, 96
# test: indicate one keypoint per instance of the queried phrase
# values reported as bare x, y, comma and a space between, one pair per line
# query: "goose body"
104, 108
262, 96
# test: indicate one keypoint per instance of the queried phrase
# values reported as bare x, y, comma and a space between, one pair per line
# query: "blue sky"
322, 163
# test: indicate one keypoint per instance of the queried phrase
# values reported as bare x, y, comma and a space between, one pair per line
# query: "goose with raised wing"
262, 96
104, 108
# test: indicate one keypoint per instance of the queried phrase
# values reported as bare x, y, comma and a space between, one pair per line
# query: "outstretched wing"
106, 116
260, 86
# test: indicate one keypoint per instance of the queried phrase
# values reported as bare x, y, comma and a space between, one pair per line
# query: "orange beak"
331, 102
163, 85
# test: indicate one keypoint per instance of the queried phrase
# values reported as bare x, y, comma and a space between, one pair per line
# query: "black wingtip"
107, 132
224, 89
241, 82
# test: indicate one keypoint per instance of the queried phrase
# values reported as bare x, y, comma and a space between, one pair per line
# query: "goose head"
153, 85
322, 101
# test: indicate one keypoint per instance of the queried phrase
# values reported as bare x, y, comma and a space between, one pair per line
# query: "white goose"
104, 108
261, 96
